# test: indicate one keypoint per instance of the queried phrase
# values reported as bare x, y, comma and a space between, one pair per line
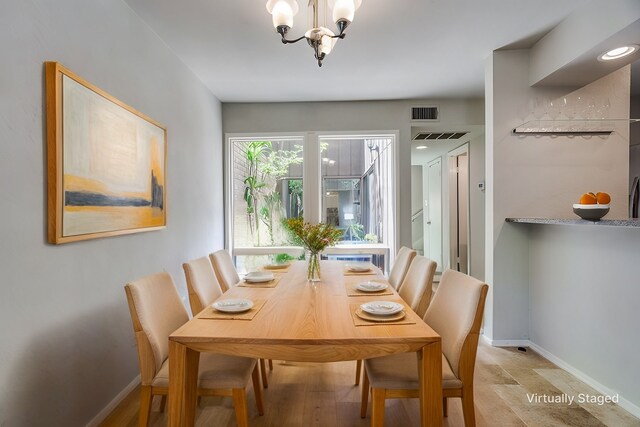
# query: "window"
348, 184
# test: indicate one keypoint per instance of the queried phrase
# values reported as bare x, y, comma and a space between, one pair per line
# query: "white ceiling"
395, 49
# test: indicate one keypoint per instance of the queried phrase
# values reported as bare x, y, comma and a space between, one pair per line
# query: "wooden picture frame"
106, 162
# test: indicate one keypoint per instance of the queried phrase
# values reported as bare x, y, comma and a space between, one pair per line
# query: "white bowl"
359, 267
371, 286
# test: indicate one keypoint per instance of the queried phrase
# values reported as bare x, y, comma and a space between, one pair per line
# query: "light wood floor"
310, 394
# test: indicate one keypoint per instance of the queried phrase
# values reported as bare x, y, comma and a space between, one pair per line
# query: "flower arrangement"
314, 238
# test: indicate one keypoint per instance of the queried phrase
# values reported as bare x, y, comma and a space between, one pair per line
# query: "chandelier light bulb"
344, 10
326, 42
282, 14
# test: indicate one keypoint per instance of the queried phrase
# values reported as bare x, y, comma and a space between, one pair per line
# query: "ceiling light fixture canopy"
319, 37
618, 52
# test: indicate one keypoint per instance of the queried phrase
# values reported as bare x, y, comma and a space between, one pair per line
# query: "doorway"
459, 208
433, 218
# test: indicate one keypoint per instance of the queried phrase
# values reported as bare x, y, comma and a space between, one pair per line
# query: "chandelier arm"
287, 41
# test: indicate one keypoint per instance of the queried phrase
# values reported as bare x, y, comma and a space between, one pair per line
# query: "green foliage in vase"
314, 237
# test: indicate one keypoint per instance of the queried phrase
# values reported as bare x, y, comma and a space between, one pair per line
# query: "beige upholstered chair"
415, 290
416, 287
225, 270
157, 311
455, 314
401, 266
202, 284
204, 289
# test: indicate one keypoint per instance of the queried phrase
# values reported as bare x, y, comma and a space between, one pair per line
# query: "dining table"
304, 321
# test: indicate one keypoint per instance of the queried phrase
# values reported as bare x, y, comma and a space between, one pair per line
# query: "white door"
459, 209
433, 207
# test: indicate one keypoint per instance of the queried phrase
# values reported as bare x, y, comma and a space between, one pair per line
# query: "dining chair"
202, 284
417, 284
224, 269
156, 311
401, 266
415, 290
204, 288
456, 315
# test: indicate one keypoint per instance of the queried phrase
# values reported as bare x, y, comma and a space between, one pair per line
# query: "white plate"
382, 308
259, 277
359, 267
371, 286
233, 305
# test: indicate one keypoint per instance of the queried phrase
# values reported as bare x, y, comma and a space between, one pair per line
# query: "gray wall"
583, 285
352, 116
540, 176
67, 342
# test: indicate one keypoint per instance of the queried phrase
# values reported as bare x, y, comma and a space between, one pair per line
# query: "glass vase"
313, 266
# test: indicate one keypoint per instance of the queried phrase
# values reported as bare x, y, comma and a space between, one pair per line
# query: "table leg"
183, 384
430, 372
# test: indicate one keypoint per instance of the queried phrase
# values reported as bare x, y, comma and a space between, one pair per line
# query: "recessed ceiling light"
421, 147
618, 52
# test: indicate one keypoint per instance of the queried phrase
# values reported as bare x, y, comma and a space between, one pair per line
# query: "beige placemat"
212, 313
361, 322
270, 284
277, 270
352, 291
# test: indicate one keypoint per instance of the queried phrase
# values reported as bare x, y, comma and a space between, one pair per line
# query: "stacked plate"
359, 267
371, 286
233, 305
258, 277
381, 311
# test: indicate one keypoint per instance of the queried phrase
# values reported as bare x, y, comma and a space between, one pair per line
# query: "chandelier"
319, 37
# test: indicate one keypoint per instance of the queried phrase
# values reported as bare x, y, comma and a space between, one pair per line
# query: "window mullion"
312, 179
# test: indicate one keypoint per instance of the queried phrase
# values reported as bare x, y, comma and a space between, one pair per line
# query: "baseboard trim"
102, 415
600, 388
505, 343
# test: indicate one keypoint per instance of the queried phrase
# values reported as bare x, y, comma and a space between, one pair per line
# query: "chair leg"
145, 405
163, 403
377, 407
365, 395
257, 390
240, 404
358, 371
468, 410
263, 370
444, 407
270, 365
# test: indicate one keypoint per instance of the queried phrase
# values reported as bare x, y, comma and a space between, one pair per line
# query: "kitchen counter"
630, 223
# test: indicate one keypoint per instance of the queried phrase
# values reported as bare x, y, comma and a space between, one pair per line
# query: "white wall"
67, 341
540, 176
584, 293
352, 116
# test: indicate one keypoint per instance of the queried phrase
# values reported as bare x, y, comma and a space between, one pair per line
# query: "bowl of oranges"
592, 206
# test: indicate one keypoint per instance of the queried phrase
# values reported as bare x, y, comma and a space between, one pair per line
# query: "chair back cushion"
456, 312
401, 266
156, 311
202, 284
225, 270
416, 286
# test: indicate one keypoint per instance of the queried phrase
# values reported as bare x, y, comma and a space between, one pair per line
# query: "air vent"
438, 135
424, 113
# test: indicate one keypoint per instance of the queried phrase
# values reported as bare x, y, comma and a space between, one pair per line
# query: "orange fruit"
588, 199
603, 198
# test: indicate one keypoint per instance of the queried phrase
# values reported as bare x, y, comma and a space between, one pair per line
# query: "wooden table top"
300, 313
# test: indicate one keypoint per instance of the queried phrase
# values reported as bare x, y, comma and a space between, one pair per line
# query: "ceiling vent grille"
428, 136
424, 113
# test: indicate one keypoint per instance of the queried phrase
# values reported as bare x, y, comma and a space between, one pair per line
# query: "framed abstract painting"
106, 163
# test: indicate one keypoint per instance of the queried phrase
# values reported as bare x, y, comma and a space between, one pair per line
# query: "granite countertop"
632, 223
